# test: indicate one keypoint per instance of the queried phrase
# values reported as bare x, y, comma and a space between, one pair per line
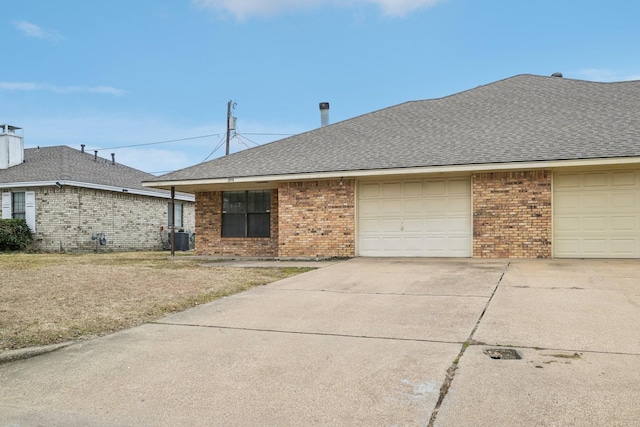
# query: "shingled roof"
525, 118
69, 166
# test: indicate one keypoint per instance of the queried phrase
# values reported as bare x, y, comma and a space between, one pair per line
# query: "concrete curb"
26, 353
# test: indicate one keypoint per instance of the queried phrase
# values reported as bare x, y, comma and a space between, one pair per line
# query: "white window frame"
179, 215
30, 207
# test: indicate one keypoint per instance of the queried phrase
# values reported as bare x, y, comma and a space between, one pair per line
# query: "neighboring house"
68, 196
529, 166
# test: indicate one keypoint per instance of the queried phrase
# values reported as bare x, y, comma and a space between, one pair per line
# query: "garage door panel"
458, 225
623, 247
412, 206
596, 223
594, 201
458, 244
368, 244
436, 225
569, 180
370, 226
567, 223
567, 203
412, 189
413, 225
393, 189
458, 205
369, 190
391, 206
391, 225
597, 247
459, 186
435, 245
624, 223
597, 214
413, 244
415, 218
369, 207
624, 199
391, 244
624, 179
436, 206
435, 188
597, 179
568, 247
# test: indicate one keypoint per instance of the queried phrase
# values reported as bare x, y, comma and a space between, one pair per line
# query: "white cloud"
402, 7
32, 30
606, 75
241, 9
30, 86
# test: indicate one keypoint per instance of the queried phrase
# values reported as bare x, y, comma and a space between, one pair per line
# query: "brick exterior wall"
317, 219
67, 217
209, 239
512, 214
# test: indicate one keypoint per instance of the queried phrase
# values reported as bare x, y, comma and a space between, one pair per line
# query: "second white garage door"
424, 217
596, 214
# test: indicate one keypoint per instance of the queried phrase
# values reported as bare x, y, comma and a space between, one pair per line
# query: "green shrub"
15, 235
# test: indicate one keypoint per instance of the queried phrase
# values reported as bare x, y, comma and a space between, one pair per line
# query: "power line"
188, 139
159, 142
269, 134
244, 137
220, 143
242, 140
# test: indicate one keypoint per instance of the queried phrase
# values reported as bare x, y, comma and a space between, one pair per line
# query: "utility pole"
231, 122
228, 127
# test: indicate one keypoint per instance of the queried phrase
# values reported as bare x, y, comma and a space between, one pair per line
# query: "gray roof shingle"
520, 119
62, 163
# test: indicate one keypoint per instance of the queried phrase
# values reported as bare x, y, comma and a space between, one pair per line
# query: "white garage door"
596, 214
415, 218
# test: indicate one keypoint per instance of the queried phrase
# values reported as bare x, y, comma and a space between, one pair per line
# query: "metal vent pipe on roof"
82, 148
113, 158
95, 155
324, 114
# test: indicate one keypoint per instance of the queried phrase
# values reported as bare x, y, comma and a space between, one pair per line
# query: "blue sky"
112, 74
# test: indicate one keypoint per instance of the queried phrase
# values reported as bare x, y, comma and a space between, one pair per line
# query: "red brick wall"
512, 214
209, 230
317, 218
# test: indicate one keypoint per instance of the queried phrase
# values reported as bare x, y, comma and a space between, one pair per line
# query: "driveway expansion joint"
281, 331
451, 371
378, 293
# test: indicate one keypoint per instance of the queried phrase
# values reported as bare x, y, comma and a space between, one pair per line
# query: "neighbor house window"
178, 214
18, 205
246, 213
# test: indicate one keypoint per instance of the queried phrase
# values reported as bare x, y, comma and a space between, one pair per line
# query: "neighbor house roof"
525, 118
68, 166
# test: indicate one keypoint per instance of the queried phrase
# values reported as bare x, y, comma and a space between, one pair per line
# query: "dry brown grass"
50, 298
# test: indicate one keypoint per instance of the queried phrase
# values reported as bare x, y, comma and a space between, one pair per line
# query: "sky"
150, 80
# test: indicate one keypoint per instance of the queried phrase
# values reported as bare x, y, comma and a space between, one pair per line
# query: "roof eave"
270, 181
149, 193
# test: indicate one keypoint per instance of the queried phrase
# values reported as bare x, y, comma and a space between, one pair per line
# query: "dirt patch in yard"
51, 298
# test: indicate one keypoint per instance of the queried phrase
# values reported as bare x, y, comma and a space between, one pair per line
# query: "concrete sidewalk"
363, 342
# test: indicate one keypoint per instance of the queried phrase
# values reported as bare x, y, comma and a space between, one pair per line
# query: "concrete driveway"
364, 342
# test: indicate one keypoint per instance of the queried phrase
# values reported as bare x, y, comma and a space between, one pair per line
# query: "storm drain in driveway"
503, 353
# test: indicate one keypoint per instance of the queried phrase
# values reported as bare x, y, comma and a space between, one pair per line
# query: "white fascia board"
183, 197
549, 164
